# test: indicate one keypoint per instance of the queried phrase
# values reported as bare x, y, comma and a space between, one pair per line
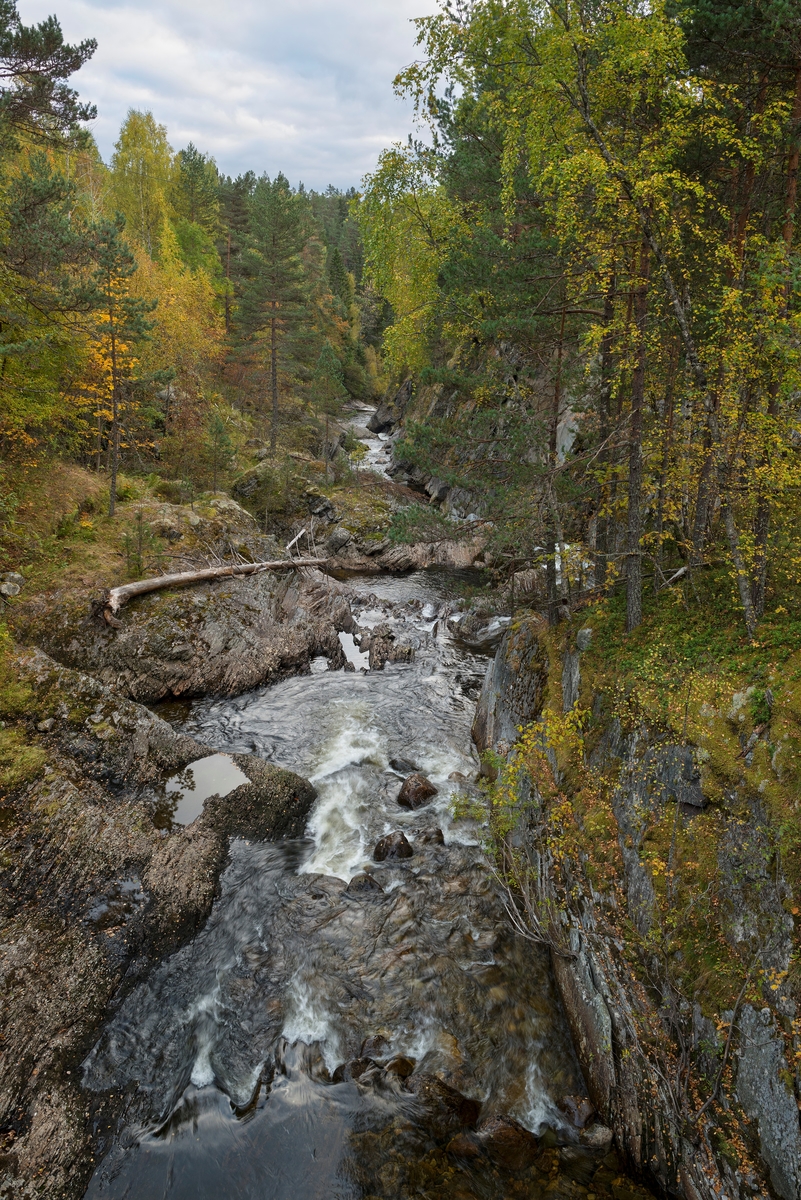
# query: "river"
230, 1055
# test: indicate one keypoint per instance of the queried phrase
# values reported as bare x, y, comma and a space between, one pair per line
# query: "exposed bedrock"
219, 638
93, 894
650, 1057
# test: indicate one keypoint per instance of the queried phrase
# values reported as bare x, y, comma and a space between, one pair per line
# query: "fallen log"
113, 599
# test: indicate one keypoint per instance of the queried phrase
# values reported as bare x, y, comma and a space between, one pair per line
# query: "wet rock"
373, 1047
447, 1110
481, 632
597, 1137
364, 885
352, 1070
223, 638
403, 766
391, 410
579, 1110
430, 837
508, 1142
400, 1066
465, 1145
417, 790
394, 845
95, 892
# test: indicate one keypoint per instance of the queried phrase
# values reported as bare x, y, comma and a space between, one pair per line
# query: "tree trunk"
274, 377
113, 599
553, 443
605, 423
633, 555
115, 423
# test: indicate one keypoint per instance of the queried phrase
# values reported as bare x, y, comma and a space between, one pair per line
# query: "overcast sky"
302, 86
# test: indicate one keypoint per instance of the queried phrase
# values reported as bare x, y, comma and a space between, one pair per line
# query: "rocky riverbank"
93, 892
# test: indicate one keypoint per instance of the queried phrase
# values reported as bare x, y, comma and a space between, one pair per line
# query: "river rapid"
233, 1055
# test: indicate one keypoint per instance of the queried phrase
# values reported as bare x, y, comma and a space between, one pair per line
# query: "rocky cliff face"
650, 866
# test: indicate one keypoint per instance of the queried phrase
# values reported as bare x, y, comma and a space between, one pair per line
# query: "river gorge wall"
652, 867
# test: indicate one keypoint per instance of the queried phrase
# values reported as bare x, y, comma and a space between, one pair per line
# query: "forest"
550, 347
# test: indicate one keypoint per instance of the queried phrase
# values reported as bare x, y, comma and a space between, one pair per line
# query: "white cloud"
304, 87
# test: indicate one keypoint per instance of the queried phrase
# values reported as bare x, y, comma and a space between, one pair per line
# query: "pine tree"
195, 190
273, 295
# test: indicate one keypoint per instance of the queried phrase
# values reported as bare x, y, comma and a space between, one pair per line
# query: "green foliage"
141, 172
195, 190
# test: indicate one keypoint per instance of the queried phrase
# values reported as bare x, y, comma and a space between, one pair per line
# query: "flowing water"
228, 1053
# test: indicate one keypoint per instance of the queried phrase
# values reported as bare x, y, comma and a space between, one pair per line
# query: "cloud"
300, 86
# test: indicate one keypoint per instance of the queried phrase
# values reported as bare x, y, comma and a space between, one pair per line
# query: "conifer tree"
273, 296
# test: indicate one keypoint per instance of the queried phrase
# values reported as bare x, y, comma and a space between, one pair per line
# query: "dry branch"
113, 599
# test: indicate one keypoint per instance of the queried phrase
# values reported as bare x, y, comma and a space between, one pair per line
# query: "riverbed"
236, 1056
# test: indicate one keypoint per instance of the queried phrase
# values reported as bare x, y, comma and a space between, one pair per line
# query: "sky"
299, 86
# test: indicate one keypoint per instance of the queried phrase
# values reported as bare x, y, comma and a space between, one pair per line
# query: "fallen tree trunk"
113, 599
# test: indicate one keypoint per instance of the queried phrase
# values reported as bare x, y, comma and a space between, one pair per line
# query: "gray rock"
337, 540
9, 589
513, 688
389, 412
13, 577
583, 639
768, 1101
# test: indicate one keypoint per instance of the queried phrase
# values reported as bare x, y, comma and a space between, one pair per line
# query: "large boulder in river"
508, 1143
222, 637
446, 1110
394, 845
390, 410
416, 791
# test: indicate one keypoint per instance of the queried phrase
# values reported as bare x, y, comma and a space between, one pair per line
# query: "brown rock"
447, 1110
364, 885
579, 1110
373, 1047
416, 791
352, 1070
464, 1145
400, 1065
508, 1143
394, 845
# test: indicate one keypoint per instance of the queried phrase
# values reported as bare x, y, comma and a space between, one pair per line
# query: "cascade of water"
229, 1050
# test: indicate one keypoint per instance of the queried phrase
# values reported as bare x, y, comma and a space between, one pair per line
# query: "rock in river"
416, 791
394, 845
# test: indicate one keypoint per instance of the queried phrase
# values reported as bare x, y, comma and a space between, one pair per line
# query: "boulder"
373, 1047
579, 1110
416, 791
447, 1110
508, 1143
394, 845
337, 540
365, 885
465, 1145
403, 766
352, 1070
401, 1066
430, 837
